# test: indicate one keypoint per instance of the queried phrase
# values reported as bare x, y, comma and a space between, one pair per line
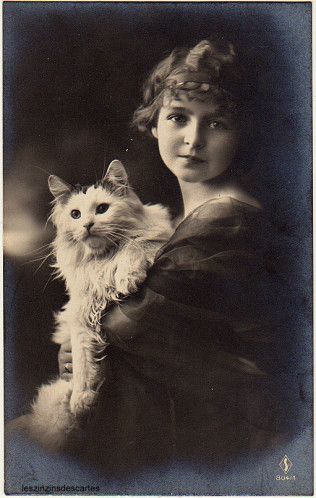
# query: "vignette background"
72, 78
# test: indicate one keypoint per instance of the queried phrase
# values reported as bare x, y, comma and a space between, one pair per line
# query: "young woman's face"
196, 140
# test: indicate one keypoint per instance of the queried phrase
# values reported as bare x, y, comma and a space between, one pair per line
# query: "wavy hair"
229, 86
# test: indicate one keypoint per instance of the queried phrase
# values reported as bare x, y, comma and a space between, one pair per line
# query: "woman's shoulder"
230, 212
215, 227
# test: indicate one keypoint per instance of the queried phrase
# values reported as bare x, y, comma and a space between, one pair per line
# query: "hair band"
189, 80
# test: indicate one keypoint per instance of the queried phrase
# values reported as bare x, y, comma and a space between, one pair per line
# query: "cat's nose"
88, 226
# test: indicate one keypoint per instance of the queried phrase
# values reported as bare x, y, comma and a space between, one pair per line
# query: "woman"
194, 374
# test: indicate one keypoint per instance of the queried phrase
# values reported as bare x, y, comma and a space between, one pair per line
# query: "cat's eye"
75, 213
102, 208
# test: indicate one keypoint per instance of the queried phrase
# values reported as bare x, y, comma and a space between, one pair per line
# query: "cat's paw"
113, 295
81, 403
130, 283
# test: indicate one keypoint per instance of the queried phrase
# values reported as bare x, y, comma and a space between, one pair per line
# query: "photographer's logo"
286, 464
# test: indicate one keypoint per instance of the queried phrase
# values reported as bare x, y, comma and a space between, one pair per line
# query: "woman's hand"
65, 361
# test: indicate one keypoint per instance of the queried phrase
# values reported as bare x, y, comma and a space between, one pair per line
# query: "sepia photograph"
157, 172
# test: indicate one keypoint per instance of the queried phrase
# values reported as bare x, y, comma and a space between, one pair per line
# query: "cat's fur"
102, 258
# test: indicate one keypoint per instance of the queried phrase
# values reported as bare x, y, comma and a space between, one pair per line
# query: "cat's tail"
50, 422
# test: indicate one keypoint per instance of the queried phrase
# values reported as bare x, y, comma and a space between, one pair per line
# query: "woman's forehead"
194, 105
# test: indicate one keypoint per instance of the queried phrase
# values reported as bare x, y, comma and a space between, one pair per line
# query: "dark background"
72, 79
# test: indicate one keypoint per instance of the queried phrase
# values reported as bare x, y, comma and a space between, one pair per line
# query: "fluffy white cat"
105, 242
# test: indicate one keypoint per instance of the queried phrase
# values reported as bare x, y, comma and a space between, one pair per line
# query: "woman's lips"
191, 158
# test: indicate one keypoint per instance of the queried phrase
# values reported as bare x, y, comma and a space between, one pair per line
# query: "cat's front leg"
135, 260
62, 332
86, 372
131, 271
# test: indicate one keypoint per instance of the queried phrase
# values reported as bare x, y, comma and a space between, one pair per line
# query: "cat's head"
96, 218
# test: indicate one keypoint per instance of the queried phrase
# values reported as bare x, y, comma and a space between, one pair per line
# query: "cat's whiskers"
40, 258
113, 240
44, 247
37, 259
116, 225
42, 169
44, 260
104, 161
123, 237
48, 281
48, 220
105, 231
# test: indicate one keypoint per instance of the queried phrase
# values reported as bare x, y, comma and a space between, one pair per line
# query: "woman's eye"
178, 118
219, 125
75, 213
102, 208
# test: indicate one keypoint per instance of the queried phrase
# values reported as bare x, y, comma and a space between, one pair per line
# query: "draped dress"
194, 362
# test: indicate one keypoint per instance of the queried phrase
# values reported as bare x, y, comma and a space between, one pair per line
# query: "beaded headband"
202, 82
189, 80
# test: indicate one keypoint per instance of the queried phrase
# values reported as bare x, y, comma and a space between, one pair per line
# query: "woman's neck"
195, 194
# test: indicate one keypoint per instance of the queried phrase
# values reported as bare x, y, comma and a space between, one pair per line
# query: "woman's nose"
194, 136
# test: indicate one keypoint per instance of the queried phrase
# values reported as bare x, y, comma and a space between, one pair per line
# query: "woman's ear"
154, 132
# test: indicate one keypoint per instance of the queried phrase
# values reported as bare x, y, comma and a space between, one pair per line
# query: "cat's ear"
58, 187
116, 174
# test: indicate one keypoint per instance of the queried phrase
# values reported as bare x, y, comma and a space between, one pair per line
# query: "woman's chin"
198, 176
190, 175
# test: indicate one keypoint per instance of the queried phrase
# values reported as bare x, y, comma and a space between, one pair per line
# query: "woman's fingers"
68, 367
65, 361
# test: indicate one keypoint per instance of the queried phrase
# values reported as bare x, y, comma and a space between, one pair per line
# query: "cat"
105, 242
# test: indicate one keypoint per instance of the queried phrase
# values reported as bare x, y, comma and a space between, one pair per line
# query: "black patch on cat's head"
80, 188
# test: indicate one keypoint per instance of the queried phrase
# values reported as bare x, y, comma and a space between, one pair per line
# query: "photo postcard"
158, 248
